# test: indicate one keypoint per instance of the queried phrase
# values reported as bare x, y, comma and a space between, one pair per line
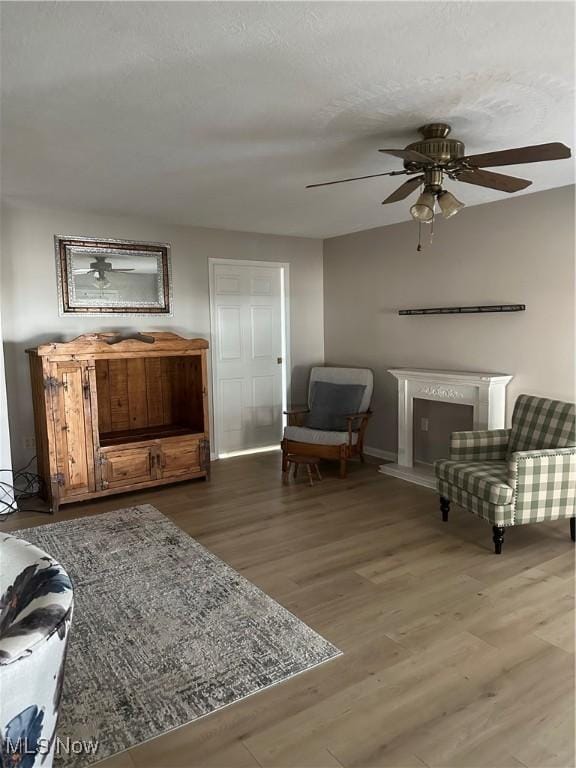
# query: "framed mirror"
112, 277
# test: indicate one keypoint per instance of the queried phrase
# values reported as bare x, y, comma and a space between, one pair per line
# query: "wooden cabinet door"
70, 387
124, 467
179, 457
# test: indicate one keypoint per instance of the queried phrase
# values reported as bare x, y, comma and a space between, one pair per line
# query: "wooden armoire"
117, 414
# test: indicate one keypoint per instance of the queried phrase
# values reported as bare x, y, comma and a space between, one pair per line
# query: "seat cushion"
317, 436
495, 514
331, 403
539, 423
488, 480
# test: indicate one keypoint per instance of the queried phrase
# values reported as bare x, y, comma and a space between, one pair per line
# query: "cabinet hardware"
58, 478
52, 383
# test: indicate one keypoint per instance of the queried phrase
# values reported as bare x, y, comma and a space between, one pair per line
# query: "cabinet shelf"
146, 433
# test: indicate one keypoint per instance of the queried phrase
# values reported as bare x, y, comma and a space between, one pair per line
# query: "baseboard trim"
379, 454
410, 474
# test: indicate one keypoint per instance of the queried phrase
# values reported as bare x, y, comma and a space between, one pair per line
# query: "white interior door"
248, 355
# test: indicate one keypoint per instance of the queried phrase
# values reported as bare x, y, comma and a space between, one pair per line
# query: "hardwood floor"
452, 656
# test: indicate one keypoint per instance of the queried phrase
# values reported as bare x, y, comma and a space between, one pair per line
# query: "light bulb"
449, 205
423, 208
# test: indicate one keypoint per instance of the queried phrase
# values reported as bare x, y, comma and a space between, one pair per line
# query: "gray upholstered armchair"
526, 474
333, 424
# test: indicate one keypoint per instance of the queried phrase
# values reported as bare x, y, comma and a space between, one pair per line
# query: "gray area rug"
163, 633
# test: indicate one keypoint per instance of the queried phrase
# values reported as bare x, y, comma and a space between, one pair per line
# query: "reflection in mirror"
113, 276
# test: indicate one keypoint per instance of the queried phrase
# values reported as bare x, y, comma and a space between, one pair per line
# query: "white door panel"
262, 332
227, 284
249, 355
261, 286
263, 398
231, 402
229, 333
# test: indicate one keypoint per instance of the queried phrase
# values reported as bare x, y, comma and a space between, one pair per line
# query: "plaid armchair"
526, 474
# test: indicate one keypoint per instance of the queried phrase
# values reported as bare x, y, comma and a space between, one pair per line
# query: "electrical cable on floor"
25, 485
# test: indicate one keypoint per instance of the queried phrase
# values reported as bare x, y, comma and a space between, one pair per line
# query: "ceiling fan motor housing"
101, 265
436, 145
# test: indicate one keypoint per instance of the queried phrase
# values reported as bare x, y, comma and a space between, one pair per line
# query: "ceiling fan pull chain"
419, 248
432, 229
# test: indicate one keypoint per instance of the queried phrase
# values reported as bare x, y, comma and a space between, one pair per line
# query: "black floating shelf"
465, 310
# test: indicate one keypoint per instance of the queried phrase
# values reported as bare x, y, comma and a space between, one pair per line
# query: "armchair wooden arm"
358, 422
296, 414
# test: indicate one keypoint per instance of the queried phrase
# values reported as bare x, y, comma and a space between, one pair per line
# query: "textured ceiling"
218, 114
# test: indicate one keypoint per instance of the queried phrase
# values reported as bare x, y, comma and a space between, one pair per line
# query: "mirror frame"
65, 278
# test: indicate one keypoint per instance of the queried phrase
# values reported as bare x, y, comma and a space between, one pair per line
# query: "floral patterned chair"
526, 474
36, 603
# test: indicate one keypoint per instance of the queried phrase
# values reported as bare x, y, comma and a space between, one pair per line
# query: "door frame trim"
287, 362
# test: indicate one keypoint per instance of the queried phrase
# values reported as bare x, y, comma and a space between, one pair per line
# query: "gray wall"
30, 307
518, 250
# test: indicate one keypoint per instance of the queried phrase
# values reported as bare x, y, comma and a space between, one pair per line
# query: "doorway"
249, 313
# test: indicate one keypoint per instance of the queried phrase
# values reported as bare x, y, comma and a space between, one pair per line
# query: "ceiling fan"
436, 156
100, 268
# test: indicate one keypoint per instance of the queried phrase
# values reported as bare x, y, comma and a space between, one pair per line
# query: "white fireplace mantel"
485, 392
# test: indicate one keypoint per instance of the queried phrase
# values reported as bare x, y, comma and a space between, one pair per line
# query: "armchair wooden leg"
284, 457
498, 538
573, 528
445, 508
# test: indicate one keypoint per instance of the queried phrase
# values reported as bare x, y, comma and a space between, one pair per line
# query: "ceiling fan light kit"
423, 208
101, 282
449, 205
436, 157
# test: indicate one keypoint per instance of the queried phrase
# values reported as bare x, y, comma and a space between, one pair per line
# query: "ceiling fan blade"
408, 154
404, 190
493, 180
128, 269
534, 154
356, 178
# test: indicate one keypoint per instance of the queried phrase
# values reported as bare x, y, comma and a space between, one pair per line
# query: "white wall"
30, 306
518, 250
6, 495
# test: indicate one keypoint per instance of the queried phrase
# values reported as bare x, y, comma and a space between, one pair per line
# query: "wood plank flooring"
453, 657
